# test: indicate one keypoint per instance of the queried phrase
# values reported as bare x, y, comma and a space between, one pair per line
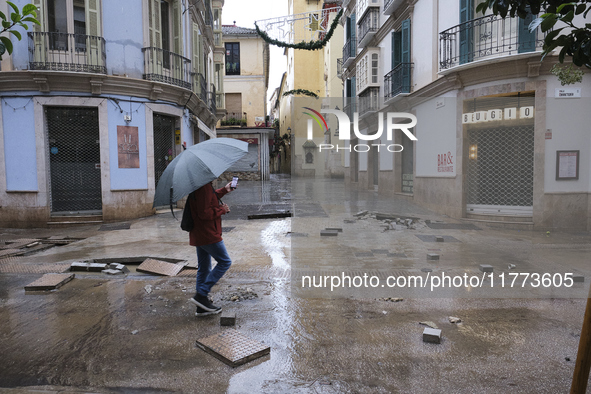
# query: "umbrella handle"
171, 211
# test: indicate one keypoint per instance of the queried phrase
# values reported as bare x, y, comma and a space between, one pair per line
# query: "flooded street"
137, 332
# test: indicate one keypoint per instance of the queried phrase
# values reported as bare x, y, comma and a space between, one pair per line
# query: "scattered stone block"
350, 221
79, 266
120, 267
486, 268
432, 256
578, 278
361, 213
454, 320
49, 282
337, 229
432, 335
328, 233
96, 267
429, 324
439, 239
112, 272
426, 270
228, 319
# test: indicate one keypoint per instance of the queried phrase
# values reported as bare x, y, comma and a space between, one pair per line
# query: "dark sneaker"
203, 302
202, 312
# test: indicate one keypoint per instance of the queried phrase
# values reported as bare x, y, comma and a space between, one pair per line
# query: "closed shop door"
163, 143
74, 159
501, 170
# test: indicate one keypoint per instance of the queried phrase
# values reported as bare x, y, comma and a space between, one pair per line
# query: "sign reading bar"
127, 147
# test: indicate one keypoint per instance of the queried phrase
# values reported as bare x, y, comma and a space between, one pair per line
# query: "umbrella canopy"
196, 166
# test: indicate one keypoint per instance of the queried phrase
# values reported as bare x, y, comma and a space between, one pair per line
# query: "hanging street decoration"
306, 31
303, 92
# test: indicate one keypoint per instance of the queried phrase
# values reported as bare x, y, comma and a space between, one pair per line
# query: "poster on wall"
567, 165
127, 147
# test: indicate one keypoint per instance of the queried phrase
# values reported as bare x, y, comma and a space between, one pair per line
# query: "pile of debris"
240, 294
390, 222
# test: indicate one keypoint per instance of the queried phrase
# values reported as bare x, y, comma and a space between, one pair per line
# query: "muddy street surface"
136, 332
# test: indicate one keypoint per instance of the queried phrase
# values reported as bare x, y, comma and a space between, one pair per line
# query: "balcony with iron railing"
368, 26
208, 17
398, 81
67, 52
350, 107
220, 100
200, 86
486, 37
369, 101
164, 66
349, 51
234, 119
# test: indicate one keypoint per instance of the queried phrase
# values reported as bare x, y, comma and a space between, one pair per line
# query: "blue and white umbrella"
196, 166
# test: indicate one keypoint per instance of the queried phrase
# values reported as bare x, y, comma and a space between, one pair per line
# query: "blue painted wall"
123, 33
19, 143
20, 54
127, 178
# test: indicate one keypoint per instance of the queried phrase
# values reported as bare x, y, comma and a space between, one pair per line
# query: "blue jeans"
207, 277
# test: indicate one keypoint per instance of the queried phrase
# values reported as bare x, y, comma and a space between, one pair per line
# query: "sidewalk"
103, 333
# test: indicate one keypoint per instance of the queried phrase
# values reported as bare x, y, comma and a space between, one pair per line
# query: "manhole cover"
49, 282
233, 347
115, 226
159, 267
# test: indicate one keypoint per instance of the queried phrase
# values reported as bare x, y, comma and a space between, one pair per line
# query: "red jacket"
207, 215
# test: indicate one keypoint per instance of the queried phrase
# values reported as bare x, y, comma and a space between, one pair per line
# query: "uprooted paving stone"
391, 299
240, 294
454, 320
428, 324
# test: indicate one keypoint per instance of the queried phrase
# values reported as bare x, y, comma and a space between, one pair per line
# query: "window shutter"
177, 27
396, 49
466, 33
196, 56
40, 42
93, 31
405, 42
155, 37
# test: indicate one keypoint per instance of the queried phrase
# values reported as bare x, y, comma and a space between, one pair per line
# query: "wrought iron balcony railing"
369, 101
349, 50
234, 119
200, 86
370, 23
398, 80
67, 52
220, 101
486, 37
164, 66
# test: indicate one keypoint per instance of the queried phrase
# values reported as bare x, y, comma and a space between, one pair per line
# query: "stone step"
55, 221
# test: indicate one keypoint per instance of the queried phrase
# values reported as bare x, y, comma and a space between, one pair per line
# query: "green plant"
567, 75
29, 14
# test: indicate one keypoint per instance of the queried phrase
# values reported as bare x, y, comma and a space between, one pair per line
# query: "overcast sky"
245, 13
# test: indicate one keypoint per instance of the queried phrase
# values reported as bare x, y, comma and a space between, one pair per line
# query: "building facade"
499, 139
98, 99
246, 81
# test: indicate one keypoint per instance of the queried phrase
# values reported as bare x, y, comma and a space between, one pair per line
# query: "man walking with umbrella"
207, 210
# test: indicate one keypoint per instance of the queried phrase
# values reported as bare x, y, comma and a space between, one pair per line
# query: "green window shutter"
396, 49
526, 39
466, 32
405, 55
177, 27
196, 47
41, 43
93, 30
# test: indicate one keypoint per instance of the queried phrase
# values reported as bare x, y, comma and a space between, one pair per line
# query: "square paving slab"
159, 267
49, 282
233, 347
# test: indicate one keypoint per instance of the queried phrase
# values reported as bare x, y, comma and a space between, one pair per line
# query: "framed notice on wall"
128, 152
567, 165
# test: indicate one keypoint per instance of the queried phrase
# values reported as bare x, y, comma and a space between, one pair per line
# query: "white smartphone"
234, 182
